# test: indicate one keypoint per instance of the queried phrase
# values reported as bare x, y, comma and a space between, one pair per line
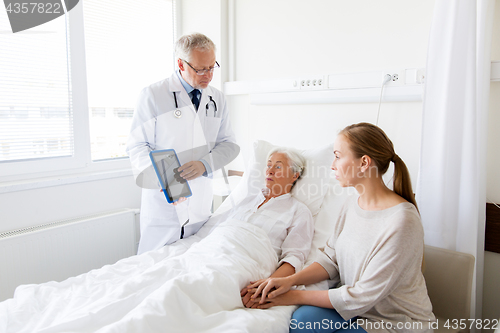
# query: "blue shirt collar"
186, 85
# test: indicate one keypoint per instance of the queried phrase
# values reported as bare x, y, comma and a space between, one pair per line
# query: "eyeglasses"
203, 71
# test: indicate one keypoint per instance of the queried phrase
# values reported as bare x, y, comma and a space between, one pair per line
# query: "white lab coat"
195, 135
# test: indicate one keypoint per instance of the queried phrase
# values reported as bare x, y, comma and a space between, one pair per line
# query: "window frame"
81, 162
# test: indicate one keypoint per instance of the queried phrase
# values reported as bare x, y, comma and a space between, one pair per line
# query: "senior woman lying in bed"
192, 285
287, 221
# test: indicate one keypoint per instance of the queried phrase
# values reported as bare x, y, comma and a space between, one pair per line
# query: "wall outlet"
313, 83
397, 77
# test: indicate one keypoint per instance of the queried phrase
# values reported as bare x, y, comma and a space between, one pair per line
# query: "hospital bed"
200, 302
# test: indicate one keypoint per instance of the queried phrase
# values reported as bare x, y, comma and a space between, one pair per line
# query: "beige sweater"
376, 256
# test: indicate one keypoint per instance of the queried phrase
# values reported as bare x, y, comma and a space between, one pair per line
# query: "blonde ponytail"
402, 181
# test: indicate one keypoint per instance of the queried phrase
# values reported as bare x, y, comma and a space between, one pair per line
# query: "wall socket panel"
398, 77
420, 76
313, 83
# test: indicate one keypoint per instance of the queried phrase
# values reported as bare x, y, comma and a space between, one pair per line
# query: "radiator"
58, 250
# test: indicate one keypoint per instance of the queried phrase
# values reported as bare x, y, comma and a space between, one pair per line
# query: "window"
63, 106
35, 93
127, 48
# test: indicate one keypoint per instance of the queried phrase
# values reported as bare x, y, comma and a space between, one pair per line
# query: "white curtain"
451, 190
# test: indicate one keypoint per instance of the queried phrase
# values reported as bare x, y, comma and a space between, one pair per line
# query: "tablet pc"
166, 163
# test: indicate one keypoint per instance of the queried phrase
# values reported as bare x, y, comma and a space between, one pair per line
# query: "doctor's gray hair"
188, 43
295, 158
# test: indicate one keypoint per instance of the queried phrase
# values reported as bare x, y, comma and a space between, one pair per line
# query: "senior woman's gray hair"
188, 43
295, 158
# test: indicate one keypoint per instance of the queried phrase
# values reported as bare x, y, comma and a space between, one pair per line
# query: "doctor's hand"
192, 170
181, 200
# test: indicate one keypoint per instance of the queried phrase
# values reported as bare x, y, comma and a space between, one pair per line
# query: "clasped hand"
266, 293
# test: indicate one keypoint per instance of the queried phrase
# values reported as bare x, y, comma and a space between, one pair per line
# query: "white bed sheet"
192, 286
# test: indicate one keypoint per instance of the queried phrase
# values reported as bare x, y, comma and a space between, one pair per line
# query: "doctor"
183, 113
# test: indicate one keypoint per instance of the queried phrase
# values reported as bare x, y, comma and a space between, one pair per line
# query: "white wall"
282, 38
25, 208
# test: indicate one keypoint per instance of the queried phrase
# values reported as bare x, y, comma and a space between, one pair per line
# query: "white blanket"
193, 286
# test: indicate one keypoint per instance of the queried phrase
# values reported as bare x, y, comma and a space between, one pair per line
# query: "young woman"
375, 252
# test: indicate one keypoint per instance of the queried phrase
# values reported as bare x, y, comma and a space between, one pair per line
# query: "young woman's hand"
271, 287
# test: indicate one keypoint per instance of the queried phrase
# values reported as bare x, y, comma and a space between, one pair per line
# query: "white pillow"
311, 186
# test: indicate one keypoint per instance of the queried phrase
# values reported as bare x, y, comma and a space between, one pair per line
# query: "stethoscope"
178, 113
207, 106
